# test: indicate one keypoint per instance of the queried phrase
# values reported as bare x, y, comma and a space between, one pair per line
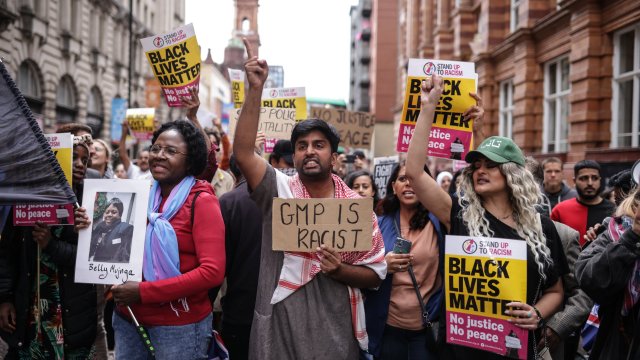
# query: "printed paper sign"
382, 168
355, 127
28, 215
303, 225
62, 147
237, 87
288, 98
110, 251
141, 122
175, 61
482, 275
275, 123
451, 134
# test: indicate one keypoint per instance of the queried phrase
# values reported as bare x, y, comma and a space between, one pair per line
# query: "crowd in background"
210, 197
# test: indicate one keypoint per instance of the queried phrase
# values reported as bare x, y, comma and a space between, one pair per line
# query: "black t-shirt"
553, 271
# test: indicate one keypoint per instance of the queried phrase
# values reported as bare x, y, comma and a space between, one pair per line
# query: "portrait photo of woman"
111, 237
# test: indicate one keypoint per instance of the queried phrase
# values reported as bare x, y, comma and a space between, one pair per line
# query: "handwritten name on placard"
304, 224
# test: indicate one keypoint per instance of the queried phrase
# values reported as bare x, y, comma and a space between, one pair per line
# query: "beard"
585, 196
320, 172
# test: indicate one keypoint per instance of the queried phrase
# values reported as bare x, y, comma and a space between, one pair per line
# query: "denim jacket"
376, 302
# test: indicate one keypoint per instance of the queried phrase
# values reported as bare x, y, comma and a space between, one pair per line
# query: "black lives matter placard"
303, 225
483, 275
175, 61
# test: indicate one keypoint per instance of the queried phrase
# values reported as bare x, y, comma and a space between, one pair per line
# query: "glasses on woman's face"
169, 151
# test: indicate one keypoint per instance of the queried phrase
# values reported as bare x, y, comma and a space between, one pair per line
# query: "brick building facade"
561, 77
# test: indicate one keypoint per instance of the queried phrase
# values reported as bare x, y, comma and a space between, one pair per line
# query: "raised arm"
192, 104
252, 165
430, 194
476, 112
122, 149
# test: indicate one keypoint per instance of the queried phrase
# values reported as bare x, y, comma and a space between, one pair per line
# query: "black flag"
29, 171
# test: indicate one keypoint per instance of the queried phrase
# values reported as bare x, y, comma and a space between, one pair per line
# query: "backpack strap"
193, 205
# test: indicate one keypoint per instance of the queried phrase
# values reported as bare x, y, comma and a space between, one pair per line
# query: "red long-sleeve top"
202, 264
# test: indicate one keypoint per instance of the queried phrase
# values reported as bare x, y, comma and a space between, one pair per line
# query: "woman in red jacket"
183, 256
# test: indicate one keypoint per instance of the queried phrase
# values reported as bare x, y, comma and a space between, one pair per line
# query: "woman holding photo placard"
184, 254
496, 199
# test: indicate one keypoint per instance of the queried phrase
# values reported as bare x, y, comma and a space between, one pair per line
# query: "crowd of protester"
210, 212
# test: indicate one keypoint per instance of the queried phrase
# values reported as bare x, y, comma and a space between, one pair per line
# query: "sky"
310, 39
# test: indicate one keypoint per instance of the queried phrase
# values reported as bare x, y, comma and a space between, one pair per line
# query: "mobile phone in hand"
401, 246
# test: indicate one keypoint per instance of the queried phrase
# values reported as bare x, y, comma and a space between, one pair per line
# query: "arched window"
95, 111
66, 104
246, 26
29, 83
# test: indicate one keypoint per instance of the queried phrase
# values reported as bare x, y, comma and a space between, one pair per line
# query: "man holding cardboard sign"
308, 304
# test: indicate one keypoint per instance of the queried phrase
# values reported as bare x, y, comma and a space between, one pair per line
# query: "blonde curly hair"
524, 194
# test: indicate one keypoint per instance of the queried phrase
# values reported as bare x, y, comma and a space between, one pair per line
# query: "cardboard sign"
175, 61
141, 122
287, 98
28, 215
62, 147
303, 225
237, 87
355, 127
482, 275
450, 136
110, 251
275, 123
382, 168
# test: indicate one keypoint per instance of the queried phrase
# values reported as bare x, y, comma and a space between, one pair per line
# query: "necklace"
505, 217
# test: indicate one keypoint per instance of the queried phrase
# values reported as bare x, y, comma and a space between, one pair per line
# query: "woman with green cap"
496, 198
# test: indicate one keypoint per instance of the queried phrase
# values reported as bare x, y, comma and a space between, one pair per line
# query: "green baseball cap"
499, 149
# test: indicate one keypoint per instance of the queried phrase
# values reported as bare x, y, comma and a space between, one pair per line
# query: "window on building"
101, 31
29, 84
40, 8
625, 124
246, 26
506, 108
76, 13
63, 15
95, 113
66, 105
514, 19
93, 30
556, 105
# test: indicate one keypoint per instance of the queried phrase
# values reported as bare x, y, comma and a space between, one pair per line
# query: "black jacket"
116, 245
603, 271
18, 260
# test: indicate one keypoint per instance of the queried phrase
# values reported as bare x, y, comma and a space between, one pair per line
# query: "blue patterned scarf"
161, 256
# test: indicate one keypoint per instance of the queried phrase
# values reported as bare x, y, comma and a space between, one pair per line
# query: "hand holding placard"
431, 90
